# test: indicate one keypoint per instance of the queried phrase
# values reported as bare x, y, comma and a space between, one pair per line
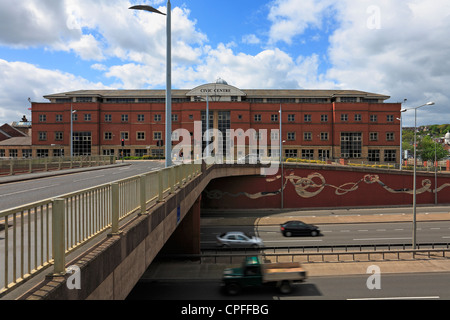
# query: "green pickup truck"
255, 272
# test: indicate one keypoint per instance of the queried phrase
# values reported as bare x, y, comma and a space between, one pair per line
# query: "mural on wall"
315, 183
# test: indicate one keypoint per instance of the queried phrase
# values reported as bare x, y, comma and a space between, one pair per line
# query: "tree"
427, 149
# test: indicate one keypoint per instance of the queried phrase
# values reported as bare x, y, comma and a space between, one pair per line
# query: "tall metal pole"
281, 160
71, 130
435, 172
414, 182
168, 76
169, 87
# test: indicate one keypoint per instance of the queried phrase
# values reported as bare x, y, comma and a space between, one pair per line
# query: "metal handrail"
40, 234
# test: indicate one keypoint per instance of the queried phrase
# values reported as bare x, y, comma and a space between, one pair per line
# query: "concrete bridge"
165, 213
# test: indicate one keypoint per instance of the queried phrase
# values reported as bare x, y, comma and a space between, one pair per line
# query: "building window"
390, 155
157, 117
324, 117
274, 135
351, 145
107, 136
108, 118
74, 116
84, 99
42, 153
59, 118
174, 117
373, 136
59, 136
307, 117
140, 136
87, 117
13, 153
291, 117
140, 118
373, 118
374, 155
291, 153
42, 118
42, 136
349, 99
324, 154
257, 118
308, 154
324, 136
58, 152
140, 152
157, 135
344, 117
125, 136
2, 153
27, 153
291, 136
124, 118
390, 118
390, 136
358, 117
307, 136
274, 117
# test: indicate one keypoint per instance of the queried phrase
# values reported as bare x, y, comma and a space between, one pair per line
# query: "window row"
108, 117
323, 117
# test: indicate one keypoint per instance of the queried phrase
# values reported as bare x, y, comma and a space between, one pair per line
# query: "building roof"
251, 93
17, 141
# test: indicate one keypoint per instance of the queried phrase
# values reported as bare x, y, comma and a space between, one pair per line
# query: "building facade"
315, 124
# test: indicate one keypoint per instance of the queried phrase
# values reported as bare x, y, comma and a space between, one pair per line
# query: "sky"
398, 48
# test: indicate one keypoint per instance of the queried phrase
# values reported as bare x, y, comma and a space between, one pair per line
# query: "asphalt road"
20, 193
340, 234
417, 286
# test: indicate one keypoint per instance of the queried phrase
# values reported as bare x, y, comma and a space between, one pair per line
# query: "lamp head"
147, 8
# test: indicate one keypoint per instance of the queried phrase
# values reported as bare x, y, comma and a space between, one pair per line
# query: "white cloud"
22, 80
251, 39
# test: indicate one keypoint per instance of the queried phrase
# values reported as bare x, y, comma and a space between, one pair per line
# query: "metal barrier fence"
311, 257
17, 166
43, 233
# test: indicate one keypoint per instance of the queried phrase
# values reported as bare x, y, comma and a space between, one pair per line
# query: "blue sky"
397, 48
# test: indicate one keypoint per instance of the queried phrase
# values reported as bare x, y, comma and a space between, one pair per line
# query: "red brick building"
316, 124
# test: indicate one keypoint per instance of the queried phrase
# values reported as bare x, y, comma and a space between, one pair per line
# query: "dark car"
299, 228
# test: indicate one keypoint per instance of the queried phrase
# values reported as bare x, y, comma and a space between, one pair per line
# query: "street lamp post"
168, 76
72, 112
415, 170
401, 135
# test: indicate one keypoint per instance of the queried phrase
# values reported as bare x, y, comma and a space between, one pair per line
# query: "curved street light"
168, 76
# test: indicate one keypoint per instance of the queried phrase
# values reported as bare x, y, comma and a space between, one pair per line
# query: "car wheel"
285, 287
233, 288
288, 234
314, 233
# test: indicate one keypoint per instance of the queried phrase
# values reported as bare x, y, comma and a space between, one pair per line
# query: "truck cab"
254, 272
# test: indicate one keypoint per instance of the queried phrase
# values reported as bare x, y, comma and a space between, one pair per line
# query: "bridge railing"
28, 165
41, 234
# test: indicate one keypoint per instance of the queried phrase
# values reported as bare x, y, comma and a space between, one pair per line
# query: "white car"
237, 239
